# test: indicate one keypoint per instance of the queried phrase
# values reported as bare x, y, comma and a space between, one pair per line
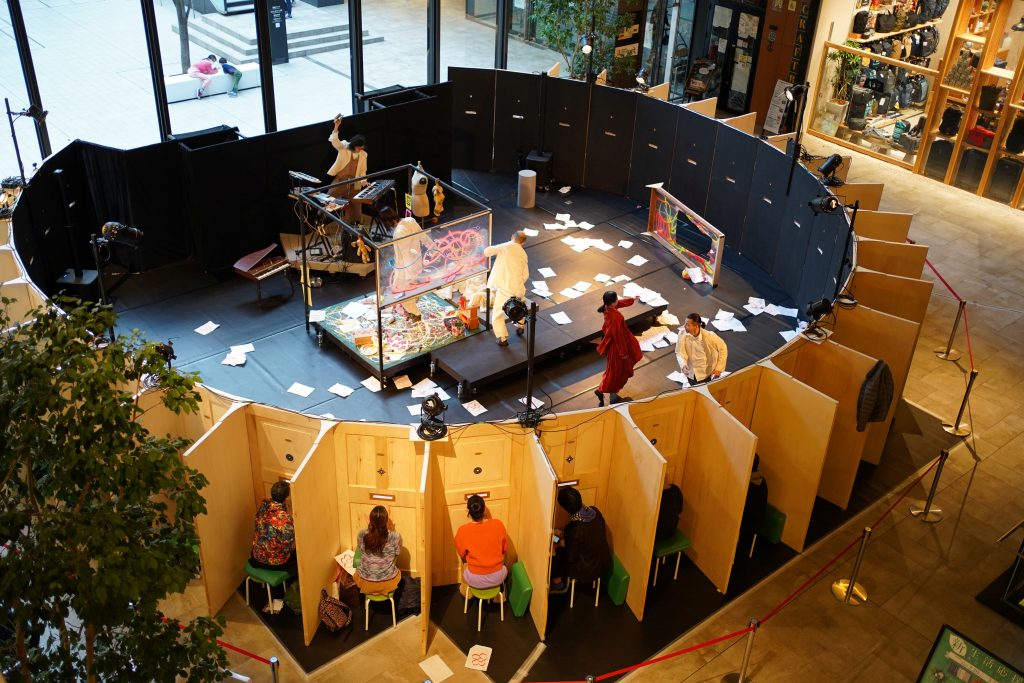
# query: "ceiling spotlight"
829, 168
794, 92
432, 426
113, 230
819, 308
515, 308
1019, 26
588, 44
33, 112
826, 204
641, 77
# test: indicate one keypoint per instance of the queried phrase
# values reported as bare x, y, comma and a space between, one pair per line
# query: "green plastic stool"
772, 525
617, 582
670, 546
482, 594
268, 577
379, 597
521, 590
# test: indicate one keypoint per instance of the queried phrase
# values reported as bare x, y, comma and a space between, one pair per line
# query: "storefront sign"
956, 658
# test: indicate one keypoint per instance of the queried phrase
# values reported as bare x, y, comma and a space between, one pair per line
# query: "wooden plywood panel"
157, 418
887, 338
884, 225
715, 488
666, 425
838, 372
225, 531
424, 532
26, 298
789, 413
213, 404
895, 258
632, 505
707, 107
903, 297
579, 450
745, 122
781, 142
737, 393
868, 194
536, 524
314, 503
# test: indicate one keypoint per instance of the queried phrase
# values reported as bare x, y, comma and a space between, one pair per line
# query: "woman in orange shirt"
482, 544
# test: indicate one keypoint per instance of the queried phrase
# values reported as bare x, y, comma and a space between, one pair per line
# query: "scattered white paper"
566, 189
637, 260
546, 272
354, 310
696, 275
540, 284
789, 334
329, 416
554, 226
667, 318
625, 244
756, 302
722, 325
724, 315
657, 301
562, 217
679, 377
544, 293
580, 247
341, 390
300, 390
737, 326
474, 408
436, 669
441, 394
753, 309
243, 348
402, 382
536, 402
571, 293
413, 409
602, 277
788, 312
646, 346
621, 278
371, 383
207, 327
234, 359
425, 383
561, 318
346, 559
671, 337
478, 658
530, 232
583, 285
585, 225
660, 344
568, 239
570, 224
317, 316
602, 245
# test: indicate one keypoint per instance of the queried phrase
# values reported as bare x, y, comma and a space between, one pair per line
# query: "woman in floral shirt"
273, 546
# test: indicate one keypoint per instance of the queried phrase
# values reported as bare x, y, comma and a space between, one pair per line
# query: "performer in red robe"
619, 347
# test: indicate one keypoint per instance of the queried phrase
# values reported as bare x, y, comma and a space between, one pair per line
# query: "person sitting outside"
482, 544
273, 545
583, 553
377, 548
235, 74
204, 70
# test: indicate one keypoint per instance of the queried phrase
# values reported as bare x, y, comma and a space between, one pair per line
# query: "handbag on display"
950, 124
919, 89
334, 614
900, 15
856, 123
885, 22
929, 41
990, 96
980, 137
926, 9
1015, 138
940, 8
909, 142
860, 21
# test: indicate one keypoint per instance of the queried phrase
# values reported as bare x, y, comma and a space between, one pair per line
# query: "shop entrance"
726, 70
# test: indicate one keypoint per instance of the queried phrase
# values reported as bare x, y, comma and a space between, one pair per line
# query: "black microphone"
112, 229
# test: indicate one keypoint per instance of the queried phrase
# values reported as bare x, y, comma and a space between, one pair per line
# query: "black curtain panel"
693, 156
654, 135
766, 206
472, 127
566, 117
610, 139
516, 119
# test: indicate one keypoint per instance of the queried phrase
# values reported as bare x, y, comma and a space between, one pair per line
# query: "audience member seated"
583, 553
378, 546
482, 544
273, 545
753, 510
668, 515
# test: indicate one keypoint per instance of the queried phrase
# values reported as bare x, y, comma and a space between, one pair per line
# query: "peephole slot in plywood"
278, 440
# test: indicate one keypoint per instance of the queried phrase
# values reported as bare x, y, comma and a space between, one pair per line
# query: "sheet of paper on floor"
234, 359
371, 383
561, 318
637, 260
562, 217
554, 226
402, 382
585, 225
666, 318
243, 348
677, 376
625, 244
354, 310
425, 383
436, 669
602, 277
621, 278
545, 293
546, 272
207, 327
341, 390
479, 657
571, 293
569, 224
646, 346
724, 315
300, 390
537, 403
317, 316
789, 334
696, 275
540, 284
530, 232
583, 285
413, 409
474, 408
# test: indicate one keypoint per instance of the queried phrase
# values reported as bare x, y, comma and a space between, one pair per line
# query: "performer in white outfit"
408, 256
508, 277
350, 163
701, 353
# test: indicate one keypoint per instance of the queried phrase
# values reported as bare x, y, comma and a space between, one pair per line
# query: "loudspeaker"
541, 163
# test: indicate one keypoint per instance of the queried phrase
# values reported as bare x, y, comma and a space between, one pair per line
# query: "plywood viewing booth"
904, 297
895, 258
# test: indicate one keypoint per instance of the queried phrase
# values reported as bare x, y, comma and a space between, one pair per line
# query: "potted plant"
562, 26
845, 69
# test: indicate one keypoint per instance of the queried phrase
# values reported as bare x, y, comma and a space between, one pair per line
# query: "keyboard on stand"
373, 191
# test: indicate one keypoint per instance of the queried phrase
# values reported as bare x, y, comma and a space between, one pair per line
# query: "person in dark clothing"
753, 510
583, 552
668, 514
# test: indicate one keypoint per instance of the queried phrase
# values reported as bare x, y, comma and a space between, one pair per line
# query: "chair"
572, 591
379, 597
268, 577
482, 594
675, 545
521, 589
617, 581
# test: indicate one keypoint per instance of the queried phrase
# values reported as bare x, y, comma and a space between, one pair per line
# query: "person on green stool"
583, 553
273, 544
482, 544
378, 547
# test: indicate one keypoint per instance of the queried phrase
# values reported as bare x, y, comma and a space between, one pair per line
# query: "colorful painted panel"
697, 243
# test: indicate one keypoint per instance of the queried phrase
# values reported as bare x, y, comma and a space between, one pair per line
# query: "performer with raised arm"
350, 163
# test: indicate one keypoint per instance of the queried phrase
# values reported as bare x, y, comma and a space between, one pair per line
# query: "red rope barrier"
802, 587
905, 492
967, 333
229, 646
670, 655
943, 280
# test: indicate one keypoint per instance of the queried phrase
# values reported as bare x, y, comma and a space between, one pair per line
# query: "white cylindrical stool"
527, 189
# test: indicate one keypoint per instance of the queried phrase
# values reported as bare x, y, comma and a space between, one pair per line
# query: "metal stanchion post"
275, 667
928, 513
958, 428
589, 678
947, 352
848, 591
741, 677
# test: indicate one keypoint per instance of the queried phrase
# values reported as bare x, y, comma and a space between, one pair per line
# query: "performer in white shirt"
701, 353
350, 163
508, 277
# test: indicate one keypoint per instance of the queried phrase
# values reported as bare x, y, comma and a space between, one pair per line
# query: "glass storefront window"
467, 34
871, 102
394, 43
187, 37
526, 51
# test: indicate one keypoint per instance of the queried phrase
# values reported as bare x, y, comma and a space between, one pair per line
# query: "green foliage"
845, 69
561, 24
97, 515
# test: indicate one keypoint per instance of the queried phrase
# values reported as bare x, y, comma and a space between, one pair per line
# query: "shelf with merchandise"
856, 38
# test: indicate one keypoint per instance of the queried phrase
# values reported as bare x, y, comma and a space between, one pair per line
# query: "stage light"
819, 308
1019, 26
33, 112
432, 426
829, 168
515, 308
588, 44
112, 230
641, 79
794, 92
826, 204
